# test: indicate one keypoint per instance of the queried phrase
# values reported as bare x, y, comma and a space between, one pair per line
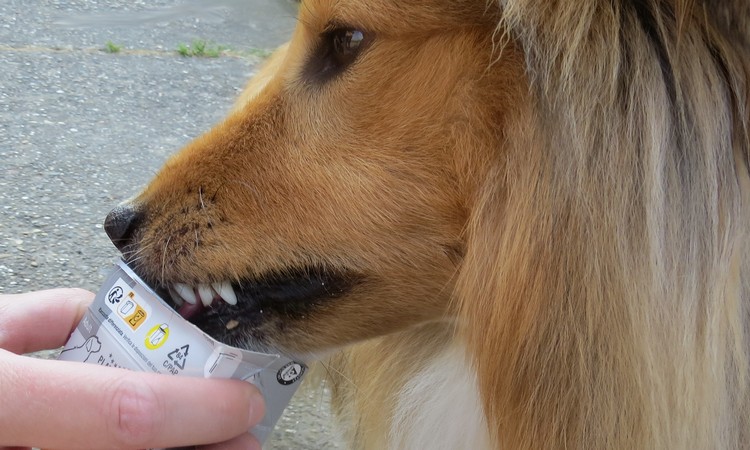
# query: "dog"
503, 224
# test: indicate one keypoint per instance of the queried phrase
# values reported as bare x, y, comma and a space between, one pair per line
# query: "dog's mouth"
289, 293
235, 312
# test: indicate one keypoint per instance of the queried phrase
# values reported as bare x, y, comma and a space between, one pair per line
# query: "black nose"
121, 224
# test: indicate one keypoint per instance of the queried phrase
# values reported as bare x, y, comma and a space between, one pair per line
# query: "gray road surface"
82, 129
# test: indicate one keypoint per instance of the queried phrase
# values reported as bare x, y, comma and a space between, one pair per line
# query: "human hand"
61, 404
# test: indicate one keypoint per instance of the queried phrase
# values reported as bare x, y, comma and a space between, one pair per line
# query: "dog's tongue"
188, 310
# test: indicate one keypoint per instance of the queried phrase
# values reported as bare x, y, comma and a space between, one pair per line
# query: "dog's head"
330, 206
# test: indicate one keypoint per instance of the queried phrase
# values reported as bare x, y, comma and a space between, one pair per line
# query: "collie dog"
503, 224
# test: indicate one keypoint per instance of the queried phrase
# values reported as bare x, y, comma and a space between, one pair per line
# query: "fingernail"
257, 407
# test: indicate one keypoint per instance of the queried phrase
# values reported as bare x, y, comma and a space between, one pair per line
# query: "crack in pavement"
252, 55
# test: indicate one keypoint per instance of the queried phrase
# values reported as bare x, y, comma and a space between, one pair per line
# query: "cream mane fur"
607, 305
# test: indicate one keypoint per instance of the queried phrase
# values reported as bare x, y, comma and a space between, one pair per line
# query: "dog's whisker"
331, 371
252, 189
164, 258
200, 196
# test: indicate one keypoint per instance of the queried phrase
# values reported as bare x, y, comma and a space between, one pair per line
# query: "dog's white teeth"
186, 292
226, 292
206, 294
176, 298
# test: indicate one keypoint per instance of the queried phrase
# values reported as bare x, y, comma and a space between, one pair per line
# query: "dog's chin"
247, 313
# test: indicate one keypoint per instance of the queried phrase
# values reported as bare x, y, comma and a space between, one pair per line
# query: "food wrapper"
130, 327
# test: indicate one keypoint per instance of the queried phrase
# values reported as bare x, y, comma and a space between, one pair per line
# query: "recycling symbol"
178, 356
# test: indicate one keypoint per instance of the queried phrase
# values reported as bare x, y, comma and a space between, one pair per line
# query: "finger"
244, 442
41, 320
75, 405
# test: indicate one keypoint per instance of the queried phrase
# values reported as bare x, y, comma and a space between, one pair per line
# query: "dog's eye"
337, 50
346, 43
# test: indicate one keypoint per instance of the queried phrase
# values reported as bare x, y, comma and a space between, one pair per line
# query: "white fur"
440, 409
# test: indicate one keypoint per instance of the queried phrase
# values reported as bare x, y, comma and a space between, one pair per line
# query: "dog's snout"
121, 224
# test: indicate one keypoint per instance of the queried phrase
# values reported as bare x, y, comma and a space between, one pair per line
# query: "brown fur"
562, 186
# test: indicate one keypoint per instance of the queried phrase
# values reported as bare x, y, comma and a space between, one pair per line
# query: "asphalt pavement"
83, 128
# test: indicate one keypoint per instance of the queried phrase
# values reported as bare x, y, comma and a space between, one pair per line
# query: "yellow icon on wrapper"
157, 336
